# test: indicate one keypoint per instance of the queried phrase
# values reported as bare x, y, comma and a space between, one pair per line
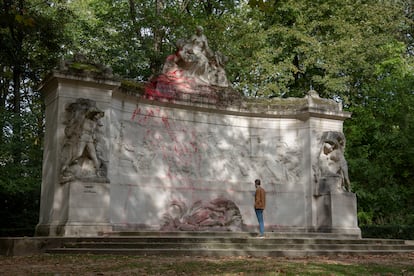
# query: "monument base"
87, 211
337, 213
188, 162
73, 229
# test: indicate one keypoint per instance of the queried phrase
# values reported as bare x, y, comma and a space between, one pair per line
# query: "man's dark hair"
257, 182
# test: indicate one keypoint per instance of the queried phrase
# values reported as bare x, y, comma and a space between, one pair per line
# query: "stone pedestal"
337, 213
88, 209
84, 211
74, 201
336, 208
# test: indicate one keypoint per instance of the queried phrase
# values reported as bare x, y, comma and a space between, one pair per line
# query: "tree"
31, 37
331, 46
134, 37
357, 52
380, 149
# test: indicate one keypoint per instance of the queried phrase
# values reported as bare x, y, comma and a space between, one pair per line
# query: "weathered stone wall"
186, 165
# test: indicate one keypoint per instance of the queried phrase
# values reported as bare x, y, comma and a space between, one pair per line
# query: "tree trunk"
17, 69
133, 16
158, 35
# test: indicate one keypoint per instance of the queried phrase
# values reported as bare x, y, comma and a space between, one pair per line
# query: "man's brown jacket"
260, 198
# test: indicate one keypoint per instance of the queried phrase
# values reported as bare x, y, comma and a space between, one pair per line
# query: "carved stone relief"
331, 174
191, 153
288, 160
193, 68
176, 149
219, 214
83, 146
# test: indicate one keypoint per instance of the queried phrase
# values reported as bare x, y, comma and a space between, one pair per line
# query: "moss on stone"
84, 67
274, 103
132, 87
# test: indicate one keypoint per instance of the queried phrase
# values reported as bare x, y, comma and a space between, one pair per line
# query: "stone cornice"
227, 103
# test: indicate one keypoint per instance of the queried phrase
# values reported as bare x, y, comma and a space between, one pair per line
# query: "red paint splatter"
136, 111
165, 121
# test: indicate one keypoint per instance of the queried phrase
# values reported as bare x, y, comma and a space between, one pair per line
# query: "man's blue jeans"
259, 214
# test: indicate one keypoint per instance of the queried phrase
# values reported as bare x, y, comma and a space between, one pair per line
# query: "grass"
156, 265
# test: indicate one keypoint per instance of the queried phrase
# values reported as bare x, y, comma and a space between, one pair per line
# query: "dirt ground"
144, 265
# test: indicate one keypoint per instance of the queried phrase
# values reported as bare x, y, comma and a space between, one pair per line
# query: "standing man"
259, 205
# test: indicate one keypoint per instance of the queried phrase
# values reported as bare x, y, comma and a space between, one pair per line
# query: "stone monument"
181, 153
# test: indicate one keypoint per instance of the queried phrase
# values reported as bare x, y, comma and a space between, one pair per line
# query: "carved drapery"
218, 214
83, 147
193, 69
331, 174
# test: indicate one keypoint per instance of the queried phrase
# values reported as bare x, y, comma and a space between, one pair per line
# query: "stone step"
224, 244
233, 240
186, 234
222, 252
239, 246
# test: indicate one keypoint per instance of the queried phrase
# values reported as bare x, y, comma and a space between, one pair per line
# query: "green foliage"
135, 37
32, 34
379, 150
402, 232
357, 52
20, 182
330, 46
364, 218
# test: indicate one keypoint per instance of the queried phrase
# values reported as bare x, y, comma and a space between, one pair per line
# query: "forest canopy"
359, 53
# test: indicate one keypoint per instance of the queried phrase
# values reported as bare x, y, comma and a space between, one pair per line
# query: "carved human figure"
331, 158
288, 162
217, 214
177, 60
217, 74
194, 61
202, 53
80, 140
176, 74
193, 69
87, 136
